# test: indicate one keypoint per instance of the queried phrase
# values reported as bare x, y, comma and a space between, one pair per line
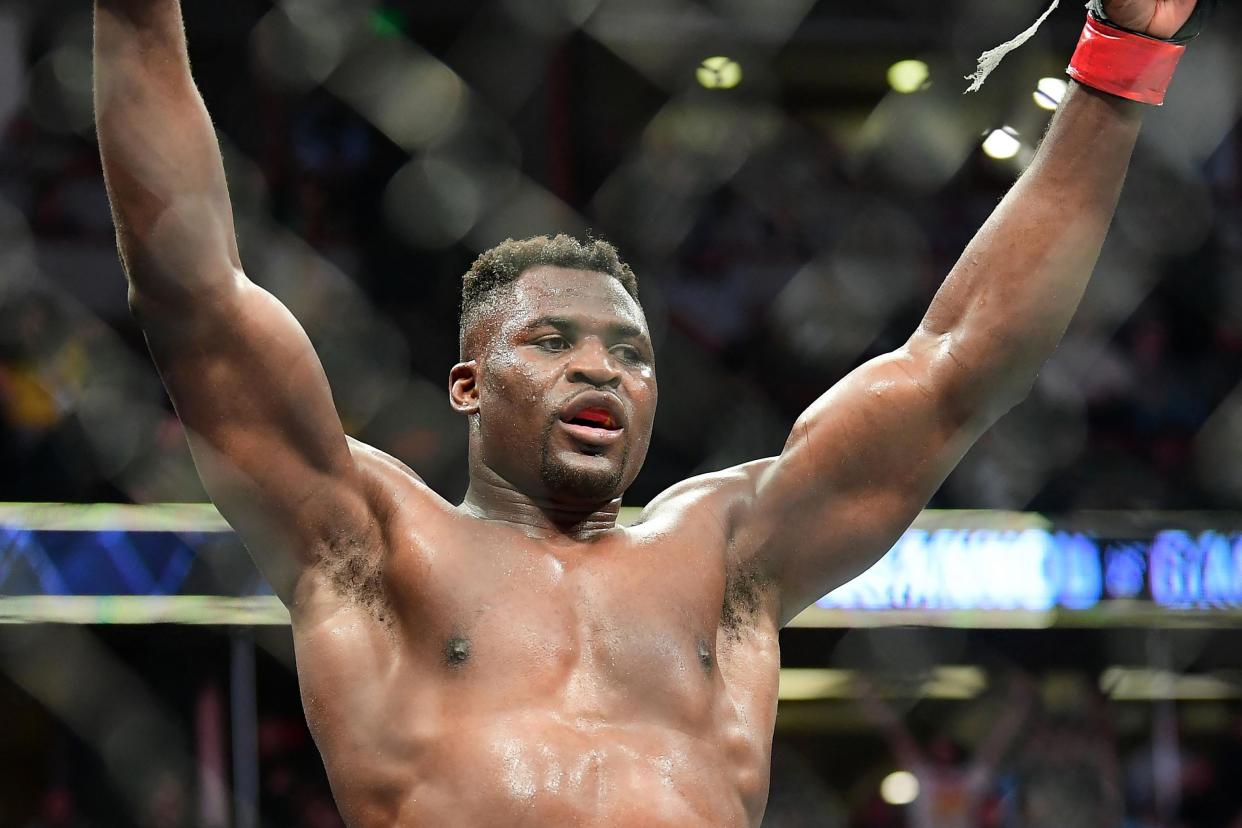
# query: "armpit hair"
745, 586
355, 571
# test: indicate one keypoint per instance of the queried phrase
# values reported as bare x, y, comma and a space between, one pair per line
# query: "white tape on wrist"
990, 59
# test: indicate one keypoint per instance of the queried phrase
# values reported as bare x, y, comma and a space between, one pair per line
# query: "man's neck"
543, 518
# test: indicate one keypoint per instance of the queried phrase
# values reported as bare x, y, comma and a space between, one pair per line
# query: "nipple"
456, 651
705, 655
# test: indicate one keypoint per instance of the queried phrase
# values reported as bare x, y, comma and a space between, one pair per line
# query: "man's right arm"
241, 372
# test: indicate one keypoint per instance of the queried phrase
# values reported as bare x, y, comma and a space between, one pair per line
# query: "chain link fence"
789, 214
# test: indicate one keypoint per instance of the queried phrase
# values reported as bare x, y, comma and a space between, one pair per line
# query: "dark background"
783, 232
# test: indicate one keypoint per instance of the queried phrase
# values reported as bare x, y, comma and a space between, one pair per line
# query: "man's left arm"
866, 457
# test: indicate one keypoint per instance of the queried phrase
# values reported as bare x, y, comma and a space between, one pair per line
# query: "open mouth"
594, 418
593, 426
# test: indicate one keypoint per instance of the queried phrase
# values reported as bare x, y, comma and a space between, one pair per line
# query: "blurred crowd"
775, 253
783, 234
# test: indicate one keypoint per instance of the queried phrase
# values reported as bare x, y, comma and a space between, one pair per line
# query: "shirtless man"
518, 659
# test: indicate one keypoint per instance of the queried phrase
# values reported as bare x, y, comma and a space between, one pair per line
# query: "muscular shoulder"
714, 506
723, 494
395, 493
351, 567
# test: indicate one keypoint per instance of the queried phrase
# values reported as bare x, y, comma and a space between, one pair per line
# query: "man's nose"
593, 364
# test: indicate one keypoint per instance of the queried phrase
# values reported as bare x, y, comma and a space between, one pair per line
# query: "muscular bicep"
859, 466
263, 430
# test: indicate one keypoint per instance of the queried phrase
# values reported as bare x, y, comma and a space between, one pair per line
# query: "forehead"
561, 291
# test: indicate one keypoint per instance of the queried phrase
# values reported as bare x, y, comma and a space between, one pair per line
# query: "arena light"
1049, 93
946, 682
907, 76
900, 788
719, 72
208, 610
1002, 144
112, 517
1146, 684
955, 682
809, 684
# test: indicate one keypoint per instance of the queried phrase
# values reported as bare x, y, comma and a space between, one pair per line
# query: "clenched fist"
1158, 18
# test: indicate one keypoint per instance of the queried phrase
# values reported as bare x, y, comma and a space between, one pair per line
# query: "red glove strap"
1123, 63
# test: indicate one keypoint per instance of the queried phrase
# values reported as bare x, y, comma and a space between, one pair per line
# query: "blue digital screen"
1036, 569
944, 569
1195, 571
118, 562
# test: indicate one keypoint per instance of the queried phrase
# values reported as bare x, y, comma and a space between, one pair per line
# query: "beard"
585, 484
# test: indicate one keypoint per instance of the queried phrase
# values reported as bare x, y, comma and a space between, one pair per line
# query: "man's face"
566, 387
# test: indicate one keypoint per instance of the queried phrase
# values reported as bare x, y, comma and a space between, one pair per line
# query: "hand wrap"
1129, 64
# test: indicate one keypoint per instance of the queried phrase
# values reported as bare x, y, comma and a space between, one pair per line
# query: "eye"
629, 353
553, 343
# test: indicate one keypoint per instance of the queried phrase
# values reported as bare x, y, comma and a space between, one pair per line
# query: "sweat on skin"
518, 658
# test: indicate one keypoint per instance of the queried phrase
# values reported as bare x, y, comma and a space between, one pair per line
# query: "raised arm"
244, 378
865, 458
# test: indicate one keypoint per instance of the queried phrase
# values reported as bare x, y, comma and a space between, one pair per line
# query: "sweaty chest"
597, 635
654, 666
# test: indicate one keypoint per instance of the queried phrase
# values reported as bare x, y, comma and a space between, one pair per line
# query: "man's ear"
464, 387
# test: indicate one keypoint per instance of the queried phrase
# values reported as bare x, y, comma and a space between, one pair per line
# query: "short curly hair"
507, 261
